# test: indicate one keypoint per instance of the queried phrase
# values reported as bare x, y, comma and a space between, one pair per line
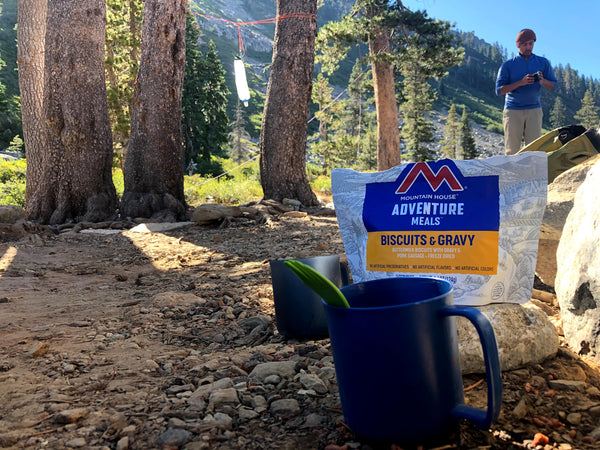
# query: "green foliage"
343, 123
558, 115
240, 145
17, 146
428, 42
240, 185
322, 184
209, 167
205, 125
367, 155
314, 171
12, 170
117, 178
415, 108
10, 113
467, 141
319, 179
12, 182
421, 48
587, 115
450, 142
8, 47
123, 41
427, 49
482, 111
325, 143
474, 79
333, 41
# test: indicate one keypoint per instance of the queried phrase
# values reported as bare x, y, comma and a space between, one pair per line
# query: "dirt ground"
106, 334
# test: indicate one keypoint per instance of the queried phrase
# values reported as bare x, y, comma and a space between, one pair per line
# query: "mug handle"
480, 417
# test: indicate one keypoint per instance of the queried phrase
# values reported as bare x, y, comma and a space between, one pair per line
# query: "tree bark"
388, 133
31, 35
154, 163
75, 182
284, 125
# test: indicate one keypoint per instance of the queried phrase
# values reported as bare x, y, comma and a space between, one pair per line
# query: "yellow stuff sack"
566, 147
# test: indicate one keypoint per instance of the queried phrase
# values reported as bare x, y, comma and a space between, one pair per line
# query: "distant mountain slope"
469, 85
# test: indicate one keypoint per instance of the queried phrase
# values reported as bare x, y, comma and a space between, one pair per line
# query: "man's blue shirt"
512, 70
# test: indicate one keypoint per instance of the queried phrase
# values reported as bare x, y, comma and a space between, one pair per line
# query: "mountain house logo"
435, 180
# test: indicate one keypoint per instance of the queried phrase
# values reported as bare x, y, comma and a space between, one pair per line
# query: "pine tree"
450, 142
123, 38
338, 140
393, 32
359, 114
467, 141
205, 125
238, 137
367, 159
415, 108
558, 114
588, 114
327, 114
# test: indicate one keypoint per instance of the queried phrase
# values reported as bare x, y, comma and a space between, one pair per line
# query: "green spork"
318, 283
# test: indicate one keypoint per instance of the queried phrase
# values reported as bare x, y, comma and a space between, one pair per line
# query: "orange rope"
255, 22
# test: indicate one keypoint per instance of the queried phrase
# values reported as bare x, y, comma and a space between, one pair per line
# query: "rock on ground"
561, 194
578, 277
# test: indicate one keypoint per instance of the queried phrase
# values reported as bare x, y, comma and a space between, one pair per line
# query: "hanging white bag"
240, 81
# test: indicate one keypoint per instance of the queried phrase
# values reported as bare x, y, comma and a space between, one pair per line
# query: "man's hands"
532, 78
527, 79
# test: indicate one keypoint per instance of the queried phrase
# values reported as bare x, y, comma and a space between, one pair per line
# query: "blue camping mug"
396, 359
299, 312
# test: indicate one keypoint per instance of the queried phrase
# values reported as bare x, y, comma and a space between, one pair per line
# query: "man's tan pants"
521, 124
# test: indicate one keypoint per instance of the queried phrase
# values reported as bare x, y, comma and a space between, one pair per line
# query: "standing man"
521, 79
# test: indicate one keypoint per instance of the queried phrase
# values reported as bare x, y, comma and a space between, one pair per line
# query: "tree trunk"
284, 125
154, 164
31, 35
75, 180
388, 134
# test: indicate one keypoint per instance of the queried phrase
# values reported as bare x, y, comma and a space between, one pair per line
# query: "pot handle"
480, 417
344, 274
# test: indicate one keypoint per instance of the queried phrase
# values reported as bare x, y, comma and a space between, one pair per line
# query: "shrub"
314, 171
495, 128
12, 182
117, 177
322, 184
220, 190
237, 184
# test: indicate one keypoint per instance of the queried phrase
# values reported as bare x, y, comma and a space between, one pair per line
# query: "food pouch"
475, 223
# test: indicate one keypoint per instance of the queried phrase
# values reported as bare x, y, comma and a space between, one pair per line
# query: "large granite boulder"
578, 277
11, 214
524, 335
561, 193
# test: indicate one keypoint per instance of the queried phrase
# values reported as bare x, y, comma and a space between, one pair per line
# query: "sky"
568, 32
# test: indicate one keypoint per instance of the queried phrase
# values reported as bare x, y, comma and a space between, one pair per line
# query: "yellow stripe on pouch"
464, 252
